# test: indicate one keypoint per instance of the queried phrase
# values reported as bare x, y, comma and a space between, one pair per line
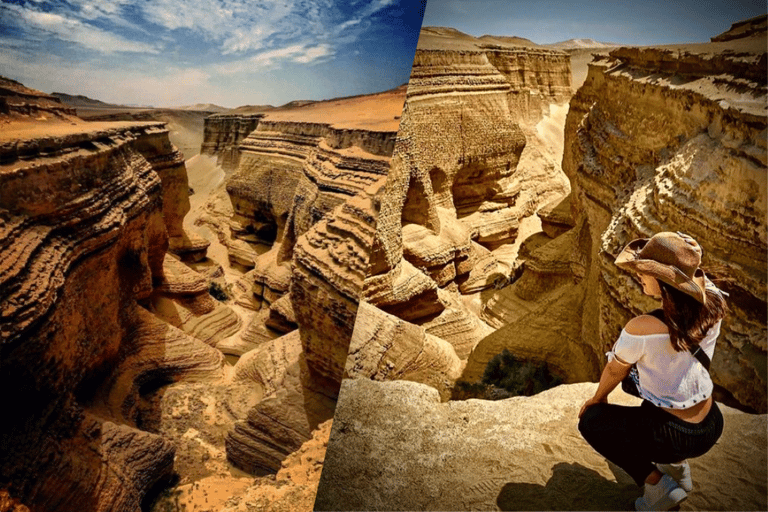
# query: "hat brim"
629, 259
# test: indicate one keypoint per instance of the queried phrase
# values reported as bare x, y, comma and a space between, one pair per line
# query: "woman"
678, 418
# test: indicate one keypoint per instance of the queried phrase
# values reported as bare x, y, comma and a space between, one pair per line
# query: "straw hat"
670, 257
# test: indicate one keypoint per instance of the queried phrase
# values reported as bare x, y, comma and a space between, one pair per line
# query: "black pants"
635, 437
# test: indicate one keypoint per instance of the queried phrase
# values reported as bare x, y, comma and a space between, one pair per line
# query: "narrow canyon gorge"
175, 332
513, 187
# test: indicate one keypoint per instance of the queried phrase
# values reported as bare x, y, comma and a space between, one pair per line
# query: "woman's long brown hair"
689, 320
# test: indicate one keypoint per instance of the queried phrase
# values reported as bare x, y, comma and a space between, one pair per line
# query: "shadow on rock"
572, 487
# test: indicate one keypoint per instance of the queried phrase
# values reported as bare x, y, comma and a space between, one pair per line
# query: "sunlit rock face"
304, 211
222, 134
462, 179
657, 140
86, 216
697, 164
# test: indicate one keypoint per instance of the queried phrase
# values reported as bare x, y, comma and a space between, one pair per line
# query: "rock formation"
669, 138
87, 213
469, 165
223, 132
303, 217
17, 100
656, 141
293, 487
395, 446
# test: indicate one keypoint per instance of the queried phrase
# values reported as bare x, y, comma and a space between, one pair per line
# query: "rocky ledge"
395, 446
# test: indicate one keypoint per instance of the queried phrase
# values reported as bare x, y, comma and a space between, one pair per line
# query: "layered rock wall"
537, 78
17, 100
697, 165
223, 132
85, 222
656, 140
304, 215
452, 205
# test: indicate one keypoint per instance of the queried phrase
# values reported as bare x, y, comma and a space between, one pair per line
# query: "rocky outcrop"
182, 299
222, 134
168, 163
18, 100
294, 486
753, 26
304, 211
85, 215
467, 169
657, 141
395, 446
537, 78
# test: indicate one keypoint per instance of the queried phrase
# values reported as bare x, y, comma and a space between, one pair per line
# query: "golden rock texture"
294, 486
86, 215
223, 132
657, 139
304, 211
466, 169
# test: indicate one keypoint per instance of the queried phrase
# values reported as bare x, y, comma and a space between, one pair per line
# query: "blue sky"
228, 52
641, 22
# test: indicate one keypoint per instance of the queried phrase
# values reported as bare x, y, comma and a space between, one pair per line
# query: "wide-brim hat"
670, 257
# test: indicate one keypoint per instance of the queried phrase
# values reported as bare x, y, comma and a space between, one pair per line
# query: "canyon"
480, 250
170, 347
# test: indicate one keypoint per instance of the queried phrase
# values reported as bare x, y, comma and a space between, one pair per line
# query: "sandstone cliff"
223, 132
471, 163
87, 214
303, 217
395, 446
18, 100
658, 139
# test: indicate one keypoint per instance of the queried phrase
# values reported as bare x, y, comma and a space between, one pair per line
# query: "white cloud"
237, 25
313, 54
271, 59
234, 27
170, 86
75, 31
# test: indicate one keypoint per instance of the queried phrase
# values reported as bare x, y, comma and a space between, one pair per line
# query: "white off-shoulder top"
667, 378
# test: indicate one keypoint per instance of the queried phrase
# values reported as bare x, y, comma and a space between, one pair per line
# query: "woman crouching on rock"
668, 351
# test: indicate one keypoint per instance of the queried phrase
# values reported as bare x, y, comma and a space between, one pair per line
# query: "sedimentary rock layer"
85, 217
304, 215
456, 192
18, 100
657, 139
223, 132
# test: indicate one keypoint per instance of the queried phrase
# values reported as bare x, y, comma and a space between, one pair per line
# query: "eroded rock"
522, 453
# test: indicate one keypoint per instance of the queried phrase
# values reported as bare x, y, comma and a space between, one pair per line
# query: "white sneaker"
661, 496
680, 472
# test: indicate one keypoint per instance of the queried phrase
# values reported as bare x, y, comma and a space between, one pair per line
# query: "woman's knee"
591, 420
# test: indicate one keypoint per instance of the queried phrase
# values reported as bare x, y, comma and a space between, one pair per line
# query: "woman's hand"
592, 401
612, 375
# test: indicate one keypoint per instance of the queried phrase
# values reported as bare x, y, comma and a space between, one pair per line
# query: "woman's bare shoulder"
644, 325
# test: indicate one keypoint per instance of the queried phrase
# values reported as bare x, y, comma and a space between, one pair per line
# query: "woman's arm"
613, 373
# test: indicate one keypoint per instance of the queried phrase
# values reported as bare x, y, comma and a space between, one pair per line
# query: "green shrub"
217, 292
517, 376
